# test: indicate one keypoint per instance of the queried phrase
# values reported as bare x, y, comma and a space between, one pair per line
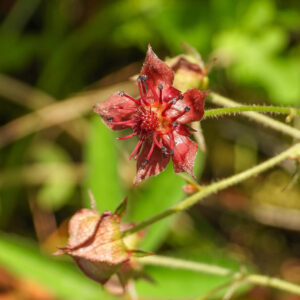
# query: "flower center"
151, 119
148, 120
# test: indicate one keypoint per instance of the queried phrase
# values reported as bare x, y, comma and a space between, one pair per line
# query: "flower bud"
97, 246
189, 189
189, 70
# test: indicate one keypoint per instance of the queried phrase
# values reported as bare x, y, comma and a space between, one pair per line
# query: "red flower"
158, 118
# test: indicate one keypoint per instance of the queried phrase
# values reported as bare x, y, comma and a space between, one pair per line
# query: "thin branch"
255, 116
221, 271
292, 152
39, 173
57, 113
33, 98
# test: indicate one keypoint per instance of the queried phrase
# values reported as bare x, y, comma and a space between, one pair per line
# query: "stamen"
186, 109
172, 102
125, 123
171, 136
142, 88
122, 94
156, 141
175, 124
136, 148
150, 151
127, 137
160, 87
153, 92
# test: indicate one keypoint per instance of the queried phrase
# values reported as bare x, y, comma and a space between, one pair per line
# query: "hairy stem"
217, 186
221, 271
259, 108
257, 117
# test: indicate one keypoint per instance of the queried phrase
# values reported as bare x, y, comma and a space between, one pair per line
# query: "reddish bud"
189, 189
97, 246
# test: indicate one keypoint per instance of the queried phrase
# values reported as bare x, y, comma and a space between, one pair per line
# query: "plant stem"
259, 108
257, 117
217, 186
220, 271
274, 282
177, 263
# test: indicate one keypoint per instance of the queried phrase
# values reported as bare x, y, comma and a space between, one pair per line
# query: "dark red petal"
116, 109
193, 99
185, 151
170, 93
156, 164
156, 70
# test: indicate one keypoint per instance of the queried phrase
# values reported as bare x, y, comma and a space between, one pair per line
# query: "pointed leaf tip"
120, 210
140, 253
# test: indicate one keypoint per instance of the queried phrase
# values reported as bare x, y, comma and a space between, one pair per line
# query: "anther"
143, 165
181, 96
110, 119
142, 77
187, 108
171, 152
121, 93
160, 87
163, 149
175, 124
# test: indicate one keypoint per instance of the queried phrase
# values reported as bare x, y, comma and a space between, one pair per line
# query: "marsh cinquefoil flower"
159, 118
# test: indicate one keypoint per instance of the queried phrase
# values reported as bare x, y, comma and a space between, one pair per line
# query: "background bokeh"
58, 58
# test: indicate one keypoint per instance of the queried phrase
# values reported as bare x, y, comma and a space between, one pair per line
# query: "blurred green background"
58, 58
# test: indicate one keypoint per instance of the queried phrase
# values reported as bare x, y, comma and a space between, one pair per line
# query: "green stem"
259, 108
221, 271
257, 117
215, 187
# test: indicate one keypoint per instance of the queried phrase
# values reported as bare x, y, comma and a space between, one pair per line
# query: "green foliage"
63, 280
60, 184
102, 168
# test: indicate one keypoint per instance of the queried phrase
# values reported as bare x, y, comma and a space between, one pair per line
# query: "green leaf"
102, 168
67, 282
